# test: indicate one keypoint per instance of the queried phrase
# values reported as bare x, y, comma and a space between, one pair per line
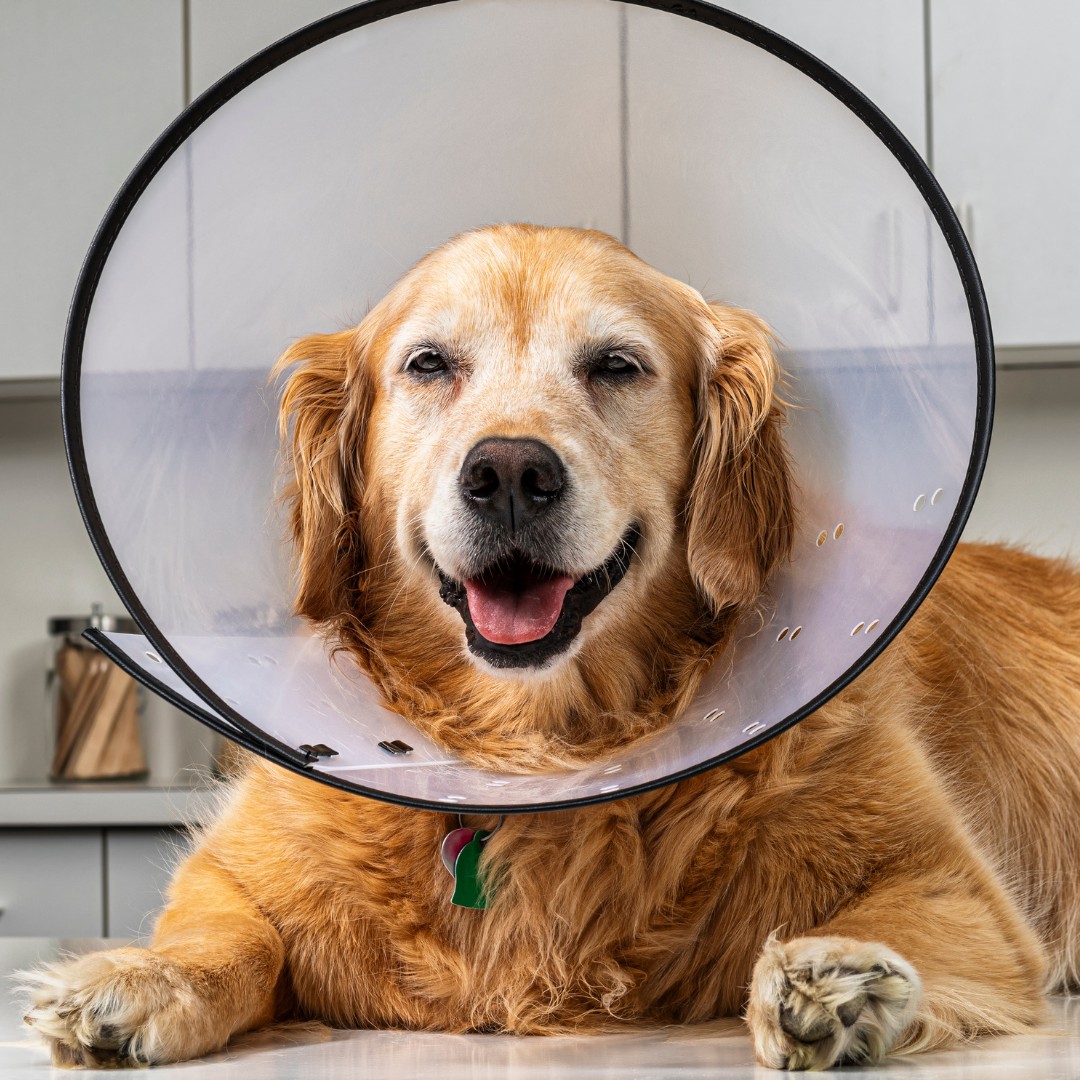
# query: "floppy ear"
739, 512
322, 421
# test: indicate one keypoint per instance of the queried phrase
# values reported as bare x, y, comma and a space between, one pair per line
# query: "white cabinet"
1006, 93
225, 33
50, 883
779, 175
86, 88
85, 882
877, 47
336, 173
138, 866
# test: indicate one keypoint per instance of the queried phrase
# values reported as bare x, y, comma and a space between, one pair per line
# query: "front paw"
816, 1002
121, 1008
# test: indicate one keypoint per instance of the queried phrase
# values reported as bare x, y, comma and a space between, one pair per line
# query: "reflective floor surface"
718, 1051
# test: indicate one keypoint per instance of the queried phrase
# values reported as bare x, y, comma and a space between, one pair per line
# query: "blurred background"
990, 99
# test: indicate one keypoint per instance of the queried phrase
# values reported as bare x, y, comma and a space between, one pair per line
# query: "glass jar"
93, 705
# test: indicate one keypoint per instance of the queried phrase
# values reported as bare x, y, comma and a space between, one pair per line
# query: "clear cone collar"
290, 197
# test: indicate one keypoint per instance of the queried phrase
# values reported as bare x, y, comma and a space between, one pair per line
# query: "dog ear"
322, 421
739, 509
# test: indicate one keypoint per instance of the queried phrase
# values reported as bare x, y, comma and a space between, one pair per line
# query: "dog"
533, 440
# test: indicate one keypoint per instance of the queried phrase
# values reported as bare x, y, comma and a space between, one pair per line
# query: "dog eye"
427, 362
613, 363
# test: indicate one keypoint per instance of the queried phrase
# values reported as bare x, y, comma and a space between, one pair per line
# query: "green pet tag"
468, 888
460, 853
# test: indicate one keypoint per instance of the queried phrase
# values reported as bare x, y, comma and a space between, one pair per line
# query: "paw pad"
816, 1002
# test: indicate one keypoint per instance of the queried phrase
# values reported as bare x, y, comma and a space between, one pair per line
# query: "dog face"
533, 445
536, 402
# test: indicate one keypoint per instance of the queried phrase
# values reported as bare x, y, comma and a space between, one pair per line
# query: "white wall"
49, 568
1030, 493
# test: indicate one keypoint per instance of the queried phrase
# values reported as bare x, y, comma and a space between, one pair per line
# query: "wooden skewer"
97, 723
124, 755
84, 703
71, 664
86, 761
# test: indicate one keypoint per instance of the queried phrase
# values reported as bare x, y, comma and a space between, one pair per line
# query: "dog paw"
817, 1002
121, 1008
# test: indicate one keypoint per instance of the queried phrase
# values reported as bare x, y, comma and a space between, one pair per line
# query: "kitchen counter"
100, 805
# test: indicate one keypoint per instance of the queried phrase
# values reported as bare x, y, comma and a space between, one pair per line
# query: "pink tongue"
511, 618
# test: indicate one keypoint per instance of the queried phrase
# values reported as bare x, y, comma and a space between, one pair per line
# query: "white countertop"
95, 805
715, 1051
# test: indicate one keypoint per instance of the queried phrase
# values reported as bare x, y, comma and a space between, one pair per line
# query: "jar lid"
76, 624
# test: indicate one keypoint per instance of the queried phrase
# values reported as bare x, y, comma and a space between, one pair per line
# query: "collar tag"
460, 853
468, 887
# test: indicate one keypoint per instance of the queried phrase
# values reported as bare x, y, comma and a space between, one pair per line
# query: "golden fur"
895, 873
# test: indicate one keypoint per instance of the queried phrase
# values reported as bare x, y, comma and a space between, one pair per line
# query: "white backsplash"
1030, 495
48, 567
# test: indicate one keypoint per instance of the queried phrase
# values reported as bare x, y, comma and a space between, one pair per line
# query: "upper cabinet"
316, 187
752, 183
1006, 92
877, 47
224, 33
85, 89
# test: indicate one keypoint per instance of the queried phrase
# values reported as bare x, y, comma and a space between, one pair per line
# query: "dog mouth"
521, 613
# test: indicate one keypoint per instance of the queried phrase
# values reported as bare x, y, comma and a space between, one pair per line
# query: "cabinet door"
1006, 105
878, 47
225, 33
139, 864
84, 89
51, 883
382, 145
777, 176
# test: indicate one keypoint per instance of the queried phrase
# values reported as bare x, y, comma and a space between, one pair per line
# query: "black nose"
511, 481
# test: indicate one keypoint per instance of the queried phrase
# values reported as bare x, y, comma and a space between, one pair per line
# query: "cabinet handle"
965, 211
890, 239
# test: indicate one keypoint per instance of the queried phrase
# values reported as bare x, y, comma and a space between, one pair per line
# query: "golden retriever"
534, 440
